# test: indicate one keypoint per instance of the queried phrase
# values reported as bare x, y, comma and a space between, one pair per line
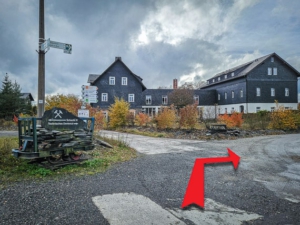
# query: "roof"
244, 69
94, 77
27, 95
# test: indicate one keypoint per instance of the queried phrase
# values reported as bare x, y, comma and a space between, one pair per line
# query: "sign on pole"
83, 113
54, 44
89, 94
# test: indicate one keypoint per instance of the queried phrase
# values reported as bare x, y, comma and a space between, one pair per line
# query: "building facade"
247, 88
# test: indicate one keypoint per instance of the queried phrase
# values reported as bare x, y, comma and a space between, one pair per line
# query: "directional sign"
85, 87
195, 190
54, 44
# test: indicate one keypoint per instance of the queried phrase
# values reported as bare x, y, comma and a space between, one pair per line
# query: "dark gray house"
119, 81
256, 85
250, 87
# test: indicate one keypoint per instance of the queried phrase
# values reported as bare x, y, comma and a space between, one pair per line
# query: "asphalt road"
265, 189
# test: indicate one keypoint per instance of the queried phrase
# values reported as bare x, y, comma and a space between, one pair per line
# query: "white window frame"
148, 99
257, 91
112, 80
241, 93
272, 92
213, 80
232, 94
130, 97
124, 80
275, 71
232, 74
219, 97
258, 109
104, 97
269, 71
225, 95
272, 59
225, 76
219, 78
272, 109
287, 92
196, 99
164, 99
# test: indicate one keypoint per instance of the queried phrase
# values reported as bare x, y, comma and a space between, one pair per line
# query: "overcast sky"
158, 40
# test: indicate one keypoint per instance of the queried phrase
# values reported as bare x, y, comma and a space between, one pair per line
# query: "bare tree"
181, 97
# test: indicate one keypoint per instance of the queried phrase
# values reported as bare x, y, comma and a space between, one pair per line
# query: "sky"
159, 40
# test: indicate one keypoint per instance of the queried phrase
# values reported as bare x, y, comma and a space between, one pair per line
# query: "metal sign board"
46, 45
85, 87
68, 48
83, 113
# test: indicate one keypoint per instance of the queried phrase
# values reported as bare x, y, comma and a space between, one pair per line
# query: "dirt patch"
295, 158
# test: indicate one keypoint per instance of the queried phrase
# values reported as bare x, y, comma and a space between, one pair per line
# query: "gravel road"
265, 189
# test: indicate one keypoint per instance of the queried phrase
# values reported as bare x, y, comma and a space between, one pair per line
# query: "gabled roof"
27, 95
244, 69
94, 77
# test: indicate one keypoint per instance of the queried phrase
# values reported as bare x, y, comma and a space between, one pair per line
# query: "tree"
181, 97
10, 102
118, 113
167, 117
69, 102
188, 116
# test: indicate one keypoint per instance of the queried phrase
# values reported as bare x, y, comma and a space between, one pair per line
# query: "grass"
15, 169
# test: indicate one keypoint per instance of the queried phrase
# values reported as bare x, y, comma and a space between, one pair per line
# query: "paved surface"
265, 189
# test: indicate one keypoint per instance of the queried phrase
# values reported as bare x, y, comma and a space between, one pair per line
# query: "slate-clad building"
256, 85
246, 88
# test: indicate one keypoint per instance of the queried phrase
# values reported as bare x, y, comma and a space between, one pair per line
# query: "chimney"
118, 58
175, 83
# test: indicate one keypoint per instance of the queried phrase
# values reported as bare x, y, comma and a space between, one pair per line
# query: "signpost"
54, 44
89, 94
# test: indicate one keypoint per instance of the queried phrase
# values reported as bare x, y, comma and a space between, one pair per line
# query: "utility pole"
41, 63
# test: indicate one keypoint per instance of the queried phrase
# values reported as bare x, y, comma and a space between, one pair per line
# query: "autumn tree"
142, 119
233, 120
118, 113
282, 118
69, 102
166, 118
188, 116
181, 97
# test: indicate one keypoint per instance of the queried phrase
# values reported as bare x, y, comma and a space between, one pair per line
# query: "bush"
118, 113
167, 118
233, 120
142, 119
188, 116
283, 119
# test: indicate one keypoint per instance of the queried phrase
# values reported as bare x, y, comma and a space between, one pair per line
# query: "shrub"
118, 113
188, 116
282, 118
142, 119
167, 117
233, 120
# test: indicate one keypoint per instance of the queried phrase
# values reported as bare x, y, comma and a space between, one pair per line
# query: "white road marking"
216, 213
133, 209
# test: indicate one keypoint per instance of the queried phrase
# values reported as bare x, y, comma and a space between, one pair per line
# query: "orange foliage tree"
142, 119
233, 120
167, 117
188, 116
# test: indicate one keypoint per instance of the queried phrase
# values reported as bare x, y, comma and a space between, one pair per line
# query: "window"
130, 97
148, 100
232, 74
257, 91
208, 82
241, 93
272, 109
225, 95
124, 80
196, 99
104, 97
232, 110
164, 99
219, 78
232, 94
269, 71
225, 76
272, 59
257, 109
287, 92
213, 80
274, 71
225, 110
111, 80
219, 97
272, 91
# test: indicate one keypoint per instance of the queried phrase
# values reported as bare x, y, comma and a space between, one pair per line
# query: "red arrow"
195, 190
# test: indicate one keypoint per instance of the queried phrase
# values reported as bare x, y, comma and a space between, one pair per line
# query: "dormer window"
232, 74
225, 76
272, 59
213, 80
219, 78
208, 82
